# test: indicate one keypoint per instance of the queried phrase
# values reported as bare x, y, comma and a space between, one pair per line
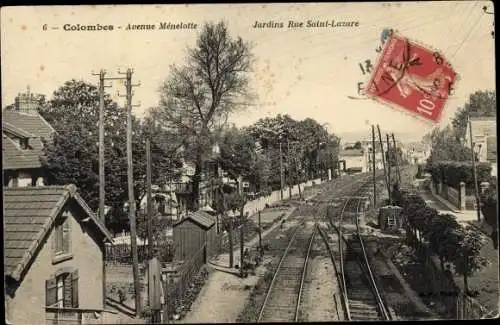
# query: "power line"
468, 35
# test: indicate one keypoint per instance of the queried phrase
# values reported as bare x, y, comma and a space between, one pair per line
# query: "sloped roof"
29, 213
13, 157
7, 127
201, 218
34, 124
351, 152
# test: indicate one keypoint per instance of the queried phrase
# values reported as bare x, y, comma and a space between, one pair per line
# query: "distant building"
353, 160
53, 249
484, 138
23, 132
417, 153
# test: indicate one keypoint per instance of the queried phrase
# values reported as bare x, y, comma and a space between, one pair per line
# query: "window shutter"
50, 292
74, 287
68, 291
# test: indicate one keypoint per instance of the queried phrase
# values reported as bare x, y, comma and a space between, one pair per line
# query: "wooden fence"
178, 284
468, 308
122, 253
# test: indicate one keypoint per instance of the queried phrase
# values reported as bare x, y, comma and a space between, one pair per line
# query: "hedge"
489, 205
452, 173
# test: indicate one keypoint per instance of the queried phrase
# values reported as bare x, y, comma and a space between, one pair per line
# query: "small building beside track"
192, 233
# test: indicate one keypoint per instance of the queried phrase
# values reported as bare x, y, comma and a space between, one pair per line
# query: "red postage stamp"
412, 77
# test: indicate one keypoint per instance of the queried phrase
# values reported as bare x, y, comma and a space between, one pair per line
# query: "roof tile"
35, 124
28, 215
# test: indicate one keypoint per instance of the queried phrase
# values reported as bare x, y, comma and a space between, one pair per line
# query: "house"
192, 233
417, 153
353, 160
54, 261
23, 132
484, 138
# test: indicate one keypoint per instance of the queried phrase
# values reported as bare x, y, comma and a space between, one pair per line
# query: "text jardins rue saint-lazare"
107, 28
305, 24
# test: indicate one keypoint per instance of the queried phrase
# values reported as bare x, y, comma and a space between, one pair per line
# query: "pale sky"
307, 72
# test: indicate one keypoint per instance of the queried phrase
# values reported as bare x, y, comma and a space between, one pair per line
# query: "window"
23, 143
62, 242
15, 181
62, 290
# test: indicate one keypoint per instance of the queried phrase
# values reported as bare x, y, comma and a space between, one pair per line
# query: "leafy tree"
72, 156
227, 201
446, 147
480, 104
394, 156
237, 153
197, 97
468, 259
307, 147
489, 208
443, 237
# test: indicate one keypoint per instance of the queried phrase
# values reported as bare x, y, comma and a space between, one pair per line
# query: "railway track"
282, 301
362, 299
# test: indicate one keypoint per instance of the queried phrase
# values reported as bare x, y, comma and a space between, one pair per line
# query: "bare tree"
198, 97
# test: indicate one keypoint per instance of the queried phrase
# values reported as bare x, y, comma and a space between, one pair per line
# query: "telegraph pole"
478, 201
389, 168
101, 75
396, 159
131, 197
289, 176
383, 161
102, 78
281, 172
149, 203
374, 167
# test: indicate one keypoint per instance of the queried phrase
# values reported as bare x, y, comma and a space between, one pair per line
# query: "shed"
192, 233
391, 218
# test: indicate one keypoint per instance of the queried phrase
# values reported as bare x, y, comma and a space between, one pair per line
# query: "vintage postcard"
271, 162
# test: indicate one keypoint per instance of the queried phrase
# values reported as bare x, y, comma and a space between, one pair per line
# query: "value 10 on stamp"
413, 78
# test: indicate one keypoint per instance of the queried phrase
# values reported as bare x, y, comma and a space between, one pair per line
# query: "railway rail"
362, 298
282, 302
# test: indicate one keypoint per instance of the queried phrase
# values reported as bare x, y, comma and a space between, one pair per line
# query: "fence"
177, 288
457, 197
468, 308
453, 196
122, 253
259, 204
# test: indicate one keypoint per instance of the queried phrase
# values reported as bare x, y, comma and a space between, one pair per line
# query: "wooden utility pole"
398, 171
131, 197
101, 145
260, 234
383, 161
389, 168
476, 188
149, 199
374, 168
289, 174
242, 240
101, 75
281, 172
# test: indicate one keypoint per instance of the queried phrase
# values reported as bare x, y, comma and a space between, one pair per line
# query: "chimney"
27, 102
